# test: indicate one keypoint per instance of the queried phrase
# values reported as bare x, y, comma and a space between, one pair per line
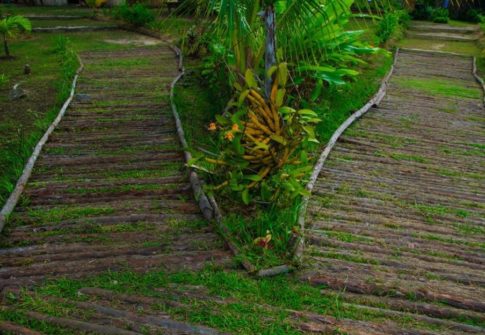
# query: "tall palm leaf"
251, 38
11, 26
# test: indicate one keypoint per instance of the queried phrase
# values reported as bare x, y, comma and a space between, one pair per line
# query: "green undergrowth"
244, 305
340, 102
197, 107
447, 88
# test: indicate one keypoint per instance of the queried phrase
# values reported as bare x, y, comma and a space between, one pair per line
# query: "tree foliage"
10, 27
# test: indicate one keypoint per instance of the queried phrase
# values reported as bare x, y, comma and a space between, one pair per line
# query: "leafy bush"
473, 15
137, 15
393, 25
440, 15
259, 140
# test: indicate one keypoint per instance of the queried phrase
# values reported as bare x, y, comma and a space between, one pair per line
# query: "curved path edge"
14, 197
375, 100
478, 78
206, 202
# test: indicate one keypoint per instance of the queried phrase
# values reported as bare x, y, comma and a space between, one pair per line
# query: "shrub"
258, 157
423, 9
393, 25
440, 15
137, 15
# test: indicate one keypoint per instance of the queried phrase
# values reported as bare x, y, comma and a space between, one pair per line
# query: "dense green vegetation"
334, 105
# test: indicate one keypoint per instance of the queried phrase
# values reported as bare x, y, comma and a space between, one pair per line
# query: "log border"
14, 197
478, 78
374, 101
207, 203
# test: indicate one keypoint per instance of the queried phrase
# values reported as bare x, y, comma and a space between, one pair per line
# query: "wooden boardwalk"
110, 190
397, 219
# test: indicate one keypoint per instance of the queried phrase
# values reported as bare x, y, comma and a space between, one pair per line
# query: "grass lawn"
466, 48
229, 301
74, 22
22, 122
45, 10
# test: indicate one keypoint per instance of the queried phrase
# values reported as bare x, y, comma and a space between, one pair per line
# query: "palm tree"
252, 28
10, 27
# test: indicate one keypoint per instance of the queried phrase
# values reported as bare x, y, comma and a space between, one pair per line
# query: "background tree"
10, 27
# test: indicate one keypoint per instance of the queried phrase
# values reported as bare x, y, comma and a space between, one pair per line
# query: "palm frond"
13, 24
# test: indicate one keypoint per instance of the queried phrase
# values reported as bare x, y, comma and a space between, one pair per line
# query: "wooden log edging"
195, 181
375, 100
210, 208
14, 197
207, 204
478, 78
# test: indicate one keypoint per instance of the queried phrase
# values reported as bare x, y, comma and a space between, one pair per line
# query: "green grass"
69, 23
56, 215
45, 10
441, 87
279, 223
25, 120
246, 306
466, 48
340, 102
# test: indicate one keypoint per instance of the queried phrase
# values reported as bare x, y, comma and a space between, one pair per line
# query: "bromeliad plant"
259, 140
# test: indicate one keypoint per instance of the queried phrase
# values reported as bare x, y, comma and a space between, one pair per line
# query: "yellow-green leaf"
280, 97
250, 80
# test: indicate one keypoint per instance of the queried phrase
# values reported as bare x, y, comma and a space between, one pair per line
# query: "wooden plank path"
110, 190
397, 219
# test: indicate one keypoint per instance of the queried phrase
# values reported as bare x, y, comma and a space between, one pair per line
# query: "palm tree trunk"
270, 47
5, 46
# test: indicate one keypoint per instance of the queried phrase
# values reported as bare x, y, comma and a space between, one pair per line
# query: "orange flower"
229, 136
212, 126
235, 127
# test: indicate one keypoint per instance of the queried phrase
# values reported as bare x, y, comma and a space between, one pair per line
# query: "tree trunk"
5, 46
270, 47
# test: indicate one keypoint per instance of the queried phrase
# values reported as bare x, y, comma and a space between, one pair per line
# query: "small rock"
83, 98
17, 93
27, 69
